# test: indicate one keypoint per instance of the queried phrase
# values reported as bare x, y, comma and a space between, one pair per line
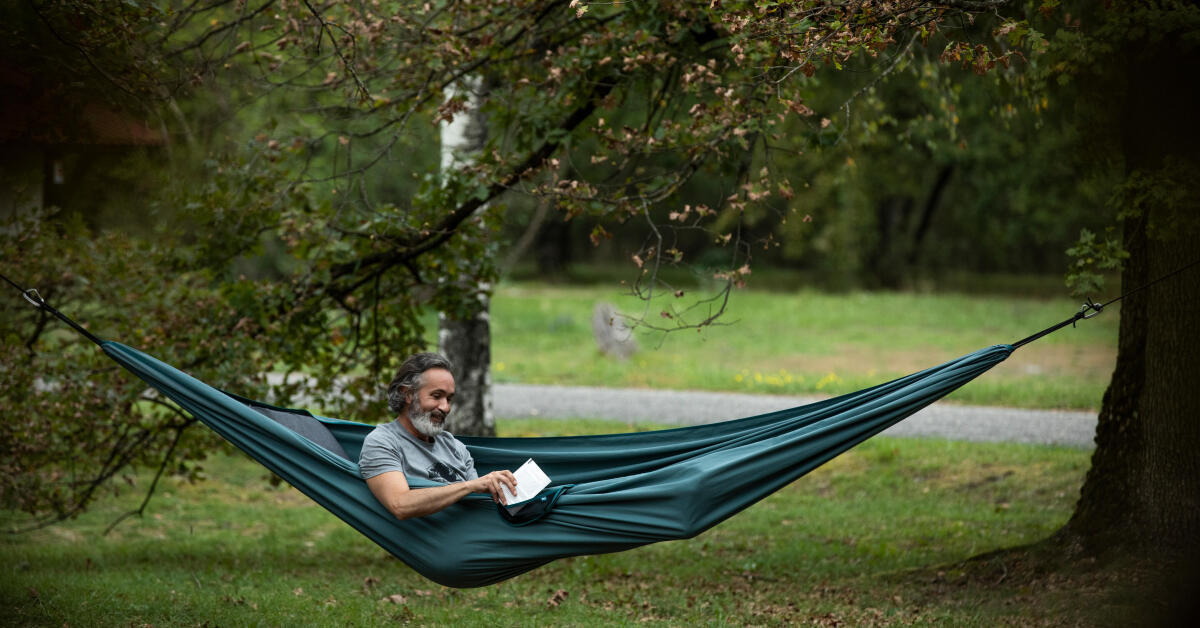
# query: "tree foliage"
301, 129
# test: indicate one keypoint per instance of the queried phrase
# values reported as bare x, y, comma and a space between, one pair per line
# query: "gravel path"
672, 407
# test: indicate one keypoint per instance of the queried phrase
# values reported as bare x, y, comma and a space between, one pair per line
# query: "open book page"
530, 481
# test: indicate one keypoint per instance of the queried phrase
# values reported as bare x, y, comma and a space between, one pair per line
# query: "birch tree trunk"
467, 340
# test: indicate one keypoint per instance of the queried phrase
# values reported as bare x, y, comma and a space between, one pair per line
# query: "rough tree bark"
1142, 492
1143, 489
467, 340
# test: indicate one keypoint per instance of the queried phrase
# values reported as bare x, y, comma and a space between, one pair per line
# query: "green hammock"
611, 492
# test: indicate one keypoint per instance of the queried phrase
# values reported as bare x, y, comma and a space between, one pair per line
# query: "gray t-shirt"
390, 447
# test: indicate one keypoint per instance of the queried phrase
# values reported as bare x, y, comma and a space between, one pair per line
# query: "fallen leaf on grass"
395, 598
828, 619
369, 582
423, 592
298, 591
557, 598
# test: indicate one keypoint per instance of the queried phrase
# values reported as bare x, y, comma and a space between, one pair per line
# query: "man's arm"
392, 490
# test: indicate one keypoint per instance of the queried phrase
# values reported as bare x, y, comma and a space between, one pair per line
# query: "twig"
364, 93
865, 88
154, 484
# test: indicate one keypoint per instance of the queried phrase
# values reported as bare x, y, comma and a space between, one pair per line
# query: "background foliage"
295, 220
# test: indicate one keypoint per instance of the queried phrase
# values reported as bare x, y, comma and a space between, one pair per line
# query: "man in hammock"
417, 445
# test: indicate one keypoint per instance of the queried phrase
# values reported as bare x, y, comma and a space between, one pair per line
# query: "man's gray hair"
409, 377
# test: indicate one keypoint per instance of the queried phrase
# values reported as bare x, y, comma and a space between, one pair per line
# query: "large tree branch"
409, 249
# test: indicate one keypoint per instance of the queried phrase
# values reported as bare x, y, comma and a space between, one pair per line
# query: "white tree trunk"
468, 342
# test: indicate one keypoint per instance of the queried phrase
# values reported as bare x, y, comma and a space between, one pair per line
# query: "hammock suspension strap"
1091, 309
35, 299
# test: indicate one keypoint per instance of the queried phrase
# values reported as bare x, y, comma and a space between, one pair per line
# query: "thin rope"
1090, 309
37, 301
1147, 285
11, 282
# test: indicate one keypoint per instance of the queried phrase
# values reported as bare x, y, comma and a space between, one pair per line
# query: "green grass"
808, 342
875, 537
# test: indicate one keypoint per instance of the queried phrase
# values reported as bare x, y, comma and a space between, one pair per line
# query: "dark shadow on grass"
1050, 583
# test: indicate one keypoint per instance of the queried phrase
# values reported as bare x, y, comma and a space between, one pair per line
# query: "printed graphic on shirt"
442, 471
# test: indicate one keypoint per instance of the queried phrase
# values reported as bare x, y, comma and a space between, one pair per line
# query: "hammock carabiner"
39, 303
1096, 308
35, 299
1088, 310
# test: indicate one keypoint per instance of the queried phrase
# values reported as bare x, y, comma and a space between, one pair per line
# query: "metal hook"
39, 303
1096, 308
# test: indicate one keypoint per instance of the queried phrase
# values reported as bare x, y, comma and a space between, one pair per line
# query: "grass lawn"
806, 342
876, 537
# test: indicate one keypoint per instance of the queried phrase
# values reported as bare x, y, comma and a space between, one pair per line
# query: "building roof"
34, 114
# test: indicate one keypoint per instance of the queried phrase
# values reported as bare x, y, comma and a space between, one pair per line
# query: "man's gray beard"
423, 422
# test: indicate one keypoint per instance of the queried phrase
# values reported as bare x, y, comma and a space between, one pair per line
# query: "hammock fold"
622, 490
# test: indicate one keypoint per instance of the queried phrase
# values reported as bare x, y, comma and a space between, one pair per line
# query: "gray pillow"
305, 426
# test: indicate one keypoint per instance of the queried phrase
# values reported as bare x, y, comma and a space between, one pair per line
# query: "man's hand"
492, 483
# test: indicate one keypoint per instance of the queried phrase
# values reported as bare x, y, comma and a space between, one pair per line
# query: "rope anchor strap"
1083, 313
1091, 309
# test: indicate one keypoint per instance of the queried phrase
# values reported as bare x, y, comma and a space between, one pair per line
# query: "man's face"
431, 403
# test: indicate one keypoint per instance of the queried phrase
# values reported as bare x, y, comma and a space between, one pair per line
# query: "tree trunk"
926, 218
901, 231
552, 247
886, 260
468, 345
467, 340
1143, 490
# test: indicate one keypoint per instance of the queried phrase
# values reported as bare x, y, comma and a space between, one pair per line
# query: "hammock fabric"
611, 492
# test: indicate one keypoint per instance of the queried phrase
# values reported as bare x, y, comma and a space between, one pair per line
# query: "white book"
530, 481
